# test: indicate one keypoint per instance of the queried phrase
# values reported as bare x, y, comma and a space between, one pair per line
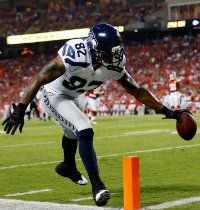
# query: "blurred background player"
93, 103
165, 99
116, 108
140, 107
33, 110
174, 94
122, 107
186, 100
197, 103
6, 111
131, 107
103, 109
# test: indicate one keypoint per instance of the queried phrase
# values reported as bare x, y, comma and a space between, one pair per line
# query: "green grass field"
27, 161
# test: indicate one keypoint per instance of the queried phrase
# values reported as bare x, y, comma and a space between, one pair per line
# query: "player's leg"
75, 121
174, 100
67, 168
170, 98
88, 155
100, 194
178, 99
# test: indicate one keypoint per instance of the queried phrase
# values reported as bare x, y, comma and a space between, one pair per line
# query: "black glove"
173, 114
15, 119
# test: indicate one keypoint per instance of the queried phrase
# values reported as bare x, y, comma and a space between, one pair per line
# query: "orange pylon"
131, 183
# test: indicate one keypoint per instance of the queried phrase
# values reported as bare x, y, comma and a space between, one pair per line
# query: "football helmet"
172, 75
105, 45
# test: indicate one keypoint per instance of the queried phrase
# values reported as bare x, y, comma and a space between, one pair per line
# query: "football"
187, 126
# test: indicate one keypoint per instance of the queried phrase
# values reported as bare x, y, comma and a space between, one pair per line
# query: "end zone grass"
165, 174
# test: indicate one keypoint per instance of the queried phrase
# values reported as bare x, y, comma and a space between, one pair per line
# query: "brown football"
187, 127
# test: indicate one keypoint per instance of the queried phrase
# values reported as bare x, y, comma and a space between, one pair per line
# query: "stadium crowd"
61, 17
150, 63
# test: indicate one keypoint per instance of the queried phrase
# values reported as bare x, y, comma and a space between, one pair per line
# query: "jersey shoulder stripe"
75, 53
72, 63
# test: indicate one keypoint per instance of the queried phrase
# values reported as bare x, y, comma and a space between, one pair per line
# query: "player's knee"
66, 142
86, 134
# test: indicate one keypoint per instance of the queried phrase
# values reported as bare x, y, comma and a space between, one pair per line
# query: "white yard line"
105, 156
30, 164
171, 204
7, 204
131, 126
82, 199
148, 132
88, 198
138, 133
28, 193
148, 150
22, 145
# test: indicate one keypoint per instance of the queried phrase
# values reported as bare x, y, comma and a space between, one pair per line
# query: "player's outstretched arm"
140, 93
146, 97
48, 73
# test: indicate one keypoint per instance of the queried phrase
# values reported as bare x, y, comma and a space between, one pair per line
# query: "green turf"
165, 175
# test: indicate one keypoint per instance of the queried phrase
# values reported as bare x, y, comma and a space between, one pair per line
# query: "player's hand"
15, 119
173, 114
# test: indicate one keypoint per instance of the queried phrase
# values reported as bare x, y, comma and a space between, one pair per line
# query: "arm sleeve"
64, 53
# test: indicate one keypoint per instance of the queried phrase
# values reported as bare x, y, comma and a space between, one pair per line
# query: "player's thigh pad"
67, 113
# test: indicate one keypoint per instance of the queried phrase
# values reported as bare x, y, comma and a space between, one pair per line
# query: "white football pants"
93, 104
174, 99
67, 112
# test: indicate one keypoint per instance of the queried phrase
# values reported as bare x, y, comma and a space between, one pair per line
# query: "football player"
93, 102
132, 107
82, 65
174, 94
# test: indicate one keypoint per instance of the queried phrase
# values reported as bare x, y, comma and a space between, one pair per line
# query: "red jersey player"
93, 104
174, 94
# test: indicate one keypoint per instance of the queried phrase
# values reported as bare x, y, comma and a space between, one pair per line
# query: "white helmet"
172, 76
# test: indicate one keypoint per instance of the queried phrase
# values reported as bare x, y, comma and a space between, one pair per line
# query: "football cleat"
73, 174
101, 195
